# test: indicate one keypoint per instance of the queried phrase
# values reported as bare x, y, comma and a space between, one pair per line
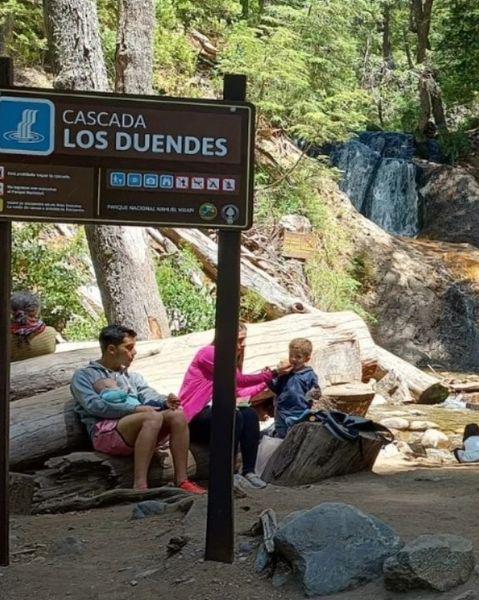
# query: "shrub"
189, 304
54, 269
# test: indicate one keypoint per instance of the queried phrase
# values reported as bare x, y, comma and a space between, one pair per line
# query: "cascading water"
379, 177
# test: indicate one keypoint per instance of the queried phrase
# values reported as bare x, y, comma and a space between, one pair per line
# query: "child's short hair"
301, 345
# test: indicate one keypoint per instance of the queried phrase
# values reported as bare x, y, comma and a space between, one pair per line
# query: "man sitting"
123, 428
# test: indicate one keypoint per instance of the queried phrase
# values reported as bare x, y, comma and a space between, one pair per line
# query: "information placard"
128, 160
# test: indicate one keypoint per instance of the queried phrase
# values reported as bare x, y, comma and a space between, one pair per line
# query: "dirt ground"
124, 559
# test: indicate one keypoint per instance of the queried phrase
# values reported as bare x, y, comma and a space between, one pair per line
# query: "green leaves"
55, 269
22, 30
189, 304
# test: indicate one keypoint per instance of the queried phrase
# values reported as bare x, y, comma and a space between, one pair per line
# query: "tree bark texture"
67, 479
126, 277
278, 301
422, 12
75, 44
387, 43
134, 47
425, 388
430, 97
50, 371
121, 257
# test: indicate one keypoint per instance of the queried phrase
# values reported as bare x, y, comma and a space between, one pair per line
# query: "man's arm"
85, 395
147, 393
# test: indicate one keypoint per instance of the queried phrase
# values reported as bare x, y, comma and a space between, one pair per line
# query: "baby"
291, 389
109, 391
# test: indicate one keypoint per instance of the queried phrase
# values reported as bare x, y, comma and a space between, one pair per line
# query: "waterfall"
379, 177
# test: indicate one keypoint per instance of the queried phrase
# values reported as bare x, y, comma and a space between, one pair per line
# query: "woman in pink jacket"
196, 397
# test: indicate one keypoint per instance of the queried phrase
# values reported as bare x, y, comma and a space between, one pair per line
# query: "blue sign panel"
118, 179
150, 180
134, 180
27, 126
167, 182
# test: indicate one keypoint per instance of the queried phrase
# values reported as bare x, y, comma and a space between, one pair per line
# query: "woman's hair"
24, 303
469, 430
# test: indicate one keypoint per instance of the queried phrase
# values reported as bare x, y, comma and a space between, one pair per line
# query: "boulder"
335, 547
434, 439
422, 425
433, 562
295, 223
395, 423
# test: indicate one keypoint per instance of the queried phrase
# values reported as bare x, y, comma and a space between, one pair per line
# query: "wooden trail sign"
134, 160
86, 157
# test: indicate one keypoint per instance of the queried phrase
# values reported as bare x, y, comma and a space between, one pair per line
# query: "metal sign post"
220, 521
6, 80
134, 160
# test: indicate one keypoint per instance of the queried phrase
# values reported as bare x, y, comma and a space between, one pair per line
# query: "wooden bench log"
86, 474
46, 424
37, 375
267, 344
310, 454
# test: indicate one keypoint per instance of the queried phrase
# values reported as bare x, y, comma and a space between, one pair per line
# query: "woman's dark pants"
246, 433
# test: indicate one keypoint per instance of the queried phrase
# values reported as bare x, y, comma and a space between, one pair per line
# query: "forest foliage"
319, 70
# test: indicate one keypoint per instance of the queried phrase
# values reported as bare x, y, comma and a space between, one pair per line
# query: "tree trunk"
422, 12
120, 255
310, 454
75, 44
134, 47
278, 301
126, 278
387, 44
430, 95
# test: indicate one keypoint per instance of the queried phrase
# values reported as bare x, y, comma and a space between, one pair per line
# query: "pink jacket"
197, 387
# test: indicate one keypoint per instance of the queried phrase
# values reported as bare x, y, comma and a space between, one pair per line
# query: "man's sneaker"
191, 488
255, 481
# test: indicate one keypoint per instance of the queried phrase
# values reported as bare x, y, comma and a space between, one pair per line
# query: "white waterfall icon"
23, 132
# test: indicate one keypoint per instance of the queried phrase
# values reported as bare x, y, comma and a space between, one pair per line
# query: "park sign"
126, 160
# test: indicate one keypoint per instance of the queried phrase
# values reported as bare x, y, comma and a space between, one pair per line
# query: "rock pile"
335, 547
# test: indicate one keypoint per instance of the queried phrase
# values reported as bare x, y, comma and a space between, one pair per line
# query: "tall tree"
121, 256
430, 94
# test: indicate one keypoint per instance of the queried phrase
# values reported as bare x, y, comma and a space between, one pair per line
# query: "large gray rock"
335, 547
437, 562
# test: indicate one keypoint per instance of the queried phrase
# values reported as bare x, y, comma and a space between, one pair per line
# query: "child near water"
470, 450
291, 388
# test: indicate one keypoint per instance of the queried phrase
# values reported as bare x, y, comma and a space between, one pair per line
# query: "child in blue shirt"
291, 389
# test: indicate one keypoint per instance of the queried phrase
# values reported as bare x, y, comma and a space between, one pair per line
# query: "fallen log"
425, 388
470, 386
46, 424
310, 454
70, 482
278, 301
37, 375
